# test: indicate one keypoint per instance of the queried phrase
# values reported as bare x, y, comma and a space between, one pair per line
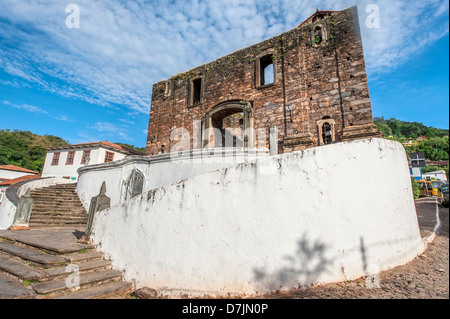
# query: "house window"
196, 91
109, 157
86, 157
70, 157
55, 159
265, 70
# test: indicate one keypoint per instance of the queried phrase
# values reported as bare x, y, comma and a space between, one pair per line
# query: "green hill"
435, 147
24, 149
401, 129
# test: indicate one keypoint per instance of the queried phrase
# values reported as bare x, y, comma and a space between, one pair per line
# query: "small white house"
64, 161
8, 172
439, 175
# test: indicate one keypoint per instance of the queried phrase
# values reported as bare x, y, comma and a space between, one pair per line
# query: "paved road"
427, 276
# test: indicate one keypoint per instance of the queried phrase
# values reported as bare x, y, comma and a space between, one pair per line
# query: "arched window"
317, 39
325, 127
133, 185
326, 133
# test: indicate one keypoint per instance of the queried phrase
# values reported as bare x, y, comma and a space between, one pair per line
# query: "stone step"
56, 216
54, 241
12, 289
19, 269
77, 211
33, 255
101, 291
60, 222
41, 226
53, 191
59, 272
56, 206
60, 286
59, 214
82, 257
64, 185
56, 197
70, 188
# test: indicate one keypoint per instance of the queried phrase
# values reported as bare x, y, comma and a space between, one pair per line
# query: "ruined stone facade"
310, 83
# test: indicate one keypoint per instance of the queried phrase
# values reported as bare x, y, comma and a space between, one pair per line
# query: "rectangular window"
109, 157
266, 71
55, 159
70, 157
86, 157
196, 91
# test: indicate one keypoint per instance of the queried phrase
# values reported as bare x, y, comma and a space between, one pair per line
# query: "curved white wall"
158, 170
321, 215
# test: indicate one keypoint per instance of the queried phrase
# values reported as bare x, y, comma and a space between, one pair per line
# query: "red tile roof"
318, 12
19, 179
17, 169
93, 144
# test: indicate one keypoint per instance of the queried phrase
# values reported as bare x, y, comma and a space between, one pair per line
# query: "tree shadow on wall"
302, 269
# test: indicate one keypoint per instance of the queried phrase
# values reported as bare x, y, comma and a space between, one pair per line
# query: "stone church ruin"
242, 187
309, 83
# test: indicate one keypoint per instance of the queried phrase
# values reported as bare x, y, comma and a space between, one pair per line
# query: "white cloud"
123, 47
62, 118
26, 107
111, 131
126, 122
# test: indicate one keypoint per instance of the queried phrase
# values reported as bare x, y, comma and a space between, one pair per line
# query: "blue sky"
94, 83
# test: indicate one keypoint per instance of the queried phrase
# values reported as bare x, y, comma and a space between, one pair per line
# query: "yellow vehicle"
430, 188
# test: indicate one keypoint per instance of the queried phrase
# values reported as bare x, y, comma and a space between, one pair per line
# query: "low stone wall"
157, 170
14, 192
326, 214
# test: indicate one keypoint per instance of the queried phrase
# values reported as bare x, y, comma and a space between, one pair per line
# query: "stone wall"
312, 81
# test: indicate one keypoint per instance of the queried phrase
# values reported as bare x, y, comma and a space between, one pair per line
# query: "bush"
415, 188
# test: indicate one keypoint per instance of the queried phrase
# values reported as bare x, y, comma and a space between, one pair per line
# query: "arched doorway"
229, 124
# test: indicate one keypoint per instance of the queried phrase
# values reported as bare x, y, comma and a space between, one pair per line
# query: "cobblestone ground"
426, 277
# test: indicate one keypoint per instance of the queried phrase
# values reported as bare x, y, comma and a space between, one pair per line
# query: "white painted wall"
62, 170
8, 174
158, 170
8, 209
7, 212
273, 223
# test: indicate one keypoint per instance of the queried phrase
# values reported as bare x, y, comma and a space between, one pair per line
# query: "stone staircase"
38, 266
48, 261
57, 206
